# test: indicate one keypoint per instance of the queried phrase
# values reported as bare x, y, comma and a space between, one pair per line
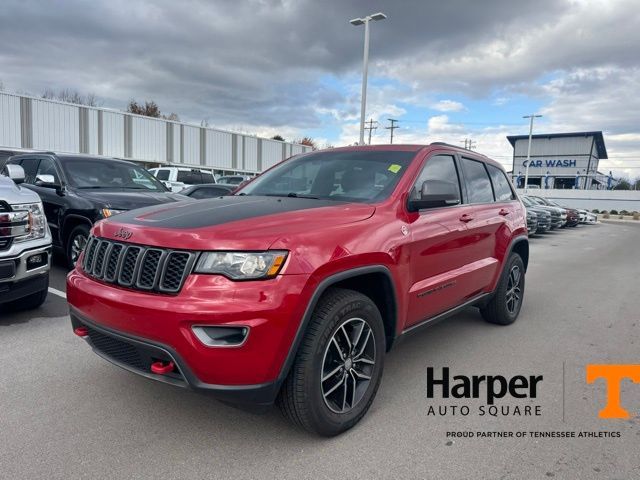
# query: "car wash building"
561, 161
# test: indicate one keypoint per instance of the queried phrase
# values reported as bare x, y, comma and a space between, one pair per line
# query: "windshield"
349, 176
91, 173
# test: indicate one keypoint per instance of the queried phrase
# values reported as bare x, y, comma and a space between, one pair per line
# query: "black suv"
78, 190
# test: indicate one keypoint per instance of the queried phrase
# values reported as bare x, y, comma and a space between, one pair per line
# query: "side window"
186, 176
438, 167
207, 177
48, 167
477, 181
162, 174
501, 186
30, 166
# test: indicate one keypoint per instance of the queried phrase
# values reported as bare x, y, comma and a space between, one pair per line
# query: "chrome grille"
137, 267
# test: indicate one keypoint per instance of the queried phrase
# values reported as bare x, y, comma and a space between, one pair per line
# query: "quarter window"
477, 181
501, 186
438, 167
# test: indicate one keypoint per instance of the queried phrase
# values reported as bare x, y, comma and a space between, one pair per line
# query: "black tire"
499, 309
303, 398
74, 241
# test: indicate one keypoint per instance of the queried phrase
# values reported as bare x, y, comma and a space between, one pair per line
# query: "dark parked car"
544, 216
208, 190
78, 190
558, 215
532, 222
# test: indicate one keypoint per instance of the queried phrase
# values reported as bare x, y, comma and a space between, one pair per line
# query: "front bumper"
160, 325
18, 279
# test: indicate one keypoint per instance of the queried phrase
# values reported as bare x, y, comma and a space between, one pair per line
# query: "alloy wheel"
514, 290
77, 246
347, 366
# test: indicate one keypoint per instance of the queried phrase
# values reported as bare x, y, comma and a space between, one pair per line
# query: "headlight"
107, 212
242, 265
37, 221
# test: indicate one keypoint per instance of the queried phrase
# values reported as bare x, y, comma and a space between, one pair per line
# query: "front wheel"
505, 305
338, 367
75, 244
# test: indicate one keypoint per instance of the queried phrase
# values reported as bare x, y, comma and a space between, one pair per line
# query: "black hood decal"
216, 211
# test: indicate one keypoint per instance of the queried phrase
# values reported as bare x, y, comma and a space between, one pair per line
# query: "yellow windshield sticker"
394, 168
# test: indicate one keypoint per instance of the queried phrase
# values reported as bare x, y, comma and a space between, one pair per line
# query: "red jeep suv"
292, 289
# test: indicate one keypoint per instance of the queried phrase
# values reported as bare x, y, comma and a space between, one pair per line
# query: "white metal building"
561, 160
39, 124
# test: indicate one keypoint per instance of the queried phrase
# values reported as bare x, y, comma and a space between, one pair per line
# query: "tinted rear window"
477, 181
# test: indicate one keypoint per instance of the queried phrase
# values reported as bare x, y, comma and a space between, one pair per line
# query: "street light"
363, 101
526, 171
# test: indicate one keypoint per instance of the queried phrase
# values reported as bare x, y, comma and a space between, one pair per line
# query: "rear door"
485, 220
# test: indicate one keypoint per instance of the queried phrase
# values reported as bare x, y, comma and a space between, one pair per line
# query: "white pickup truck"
25, 243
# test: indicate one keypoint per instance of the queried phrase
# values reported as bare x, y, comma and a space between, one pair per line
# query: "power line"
392, 127
371, 127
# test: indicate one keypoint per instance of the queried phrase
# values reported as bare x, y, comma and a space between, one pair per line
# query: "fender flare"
311, 305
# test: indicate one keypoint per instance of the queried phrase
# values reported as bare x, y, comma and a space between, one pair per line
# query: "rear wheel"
505, 305
338, 368
75, 244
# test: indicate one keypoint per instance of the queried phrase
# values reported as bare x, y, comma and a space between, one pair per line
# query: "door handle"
466, 218
504, 212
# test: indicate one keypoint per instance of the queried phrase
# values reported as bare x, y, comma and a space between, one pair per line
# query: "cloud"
448, 106
262, 65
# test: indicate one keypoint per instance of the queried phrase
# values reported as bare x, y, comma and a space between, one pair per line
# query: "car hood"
14, 194
129, 199
230, 223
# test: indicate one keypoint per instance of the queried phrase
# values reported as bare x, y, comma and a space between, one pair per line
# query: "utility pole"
526, 170
371, 127
392, 127
468, 144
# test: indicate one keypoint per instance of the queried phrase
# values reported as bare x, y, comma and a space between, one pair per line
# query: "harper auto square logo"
123, 234
613, 376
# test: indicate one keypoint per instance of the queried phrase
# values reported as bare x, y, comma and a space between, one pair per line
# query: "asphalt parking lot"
66, 413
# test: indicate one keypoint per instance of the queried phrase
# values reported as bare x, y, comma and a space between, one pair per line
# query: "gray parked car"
25, 243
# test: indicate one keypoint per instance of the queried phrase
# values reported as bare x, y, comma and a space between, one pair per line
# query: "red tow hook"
162, 368
81, 331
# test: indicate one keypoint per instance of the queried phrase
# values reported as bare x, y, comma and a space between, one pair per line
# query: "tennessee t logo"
613, 375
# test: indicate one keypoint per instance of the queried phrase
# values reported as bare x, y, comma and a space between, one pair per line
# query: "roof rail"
445, 144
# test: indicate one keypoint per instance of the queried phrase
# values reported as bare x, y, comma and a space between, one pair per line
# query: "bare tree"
71, 96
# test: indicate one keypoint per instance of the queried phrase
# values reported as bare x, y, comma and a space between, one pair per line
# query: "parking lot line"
57, 292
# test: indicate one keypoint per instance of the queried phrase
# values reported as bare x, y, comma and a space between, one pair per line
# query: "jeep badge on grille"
123, 234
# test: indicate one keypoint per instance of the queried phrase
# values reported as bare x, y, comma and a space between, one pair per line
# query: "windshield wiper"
292, 195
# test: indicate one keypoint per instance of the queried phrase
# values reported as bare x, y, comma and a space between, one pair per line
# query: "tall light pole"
365, 64
526, 171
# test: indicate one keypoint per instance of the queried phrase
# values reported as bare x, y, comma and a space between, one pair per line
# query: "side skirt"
477, 300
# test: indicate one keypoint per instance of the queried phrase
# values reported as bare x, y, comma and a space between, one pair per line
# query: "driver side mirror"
46, 180
434, 194
15, 173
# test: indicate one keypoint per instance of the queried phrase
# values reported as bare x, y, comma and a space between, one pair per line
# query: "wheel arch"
71, 222
374, 281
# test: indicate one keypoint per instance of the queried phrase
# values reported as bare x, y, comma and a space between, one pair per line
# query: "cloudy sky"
446, 70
